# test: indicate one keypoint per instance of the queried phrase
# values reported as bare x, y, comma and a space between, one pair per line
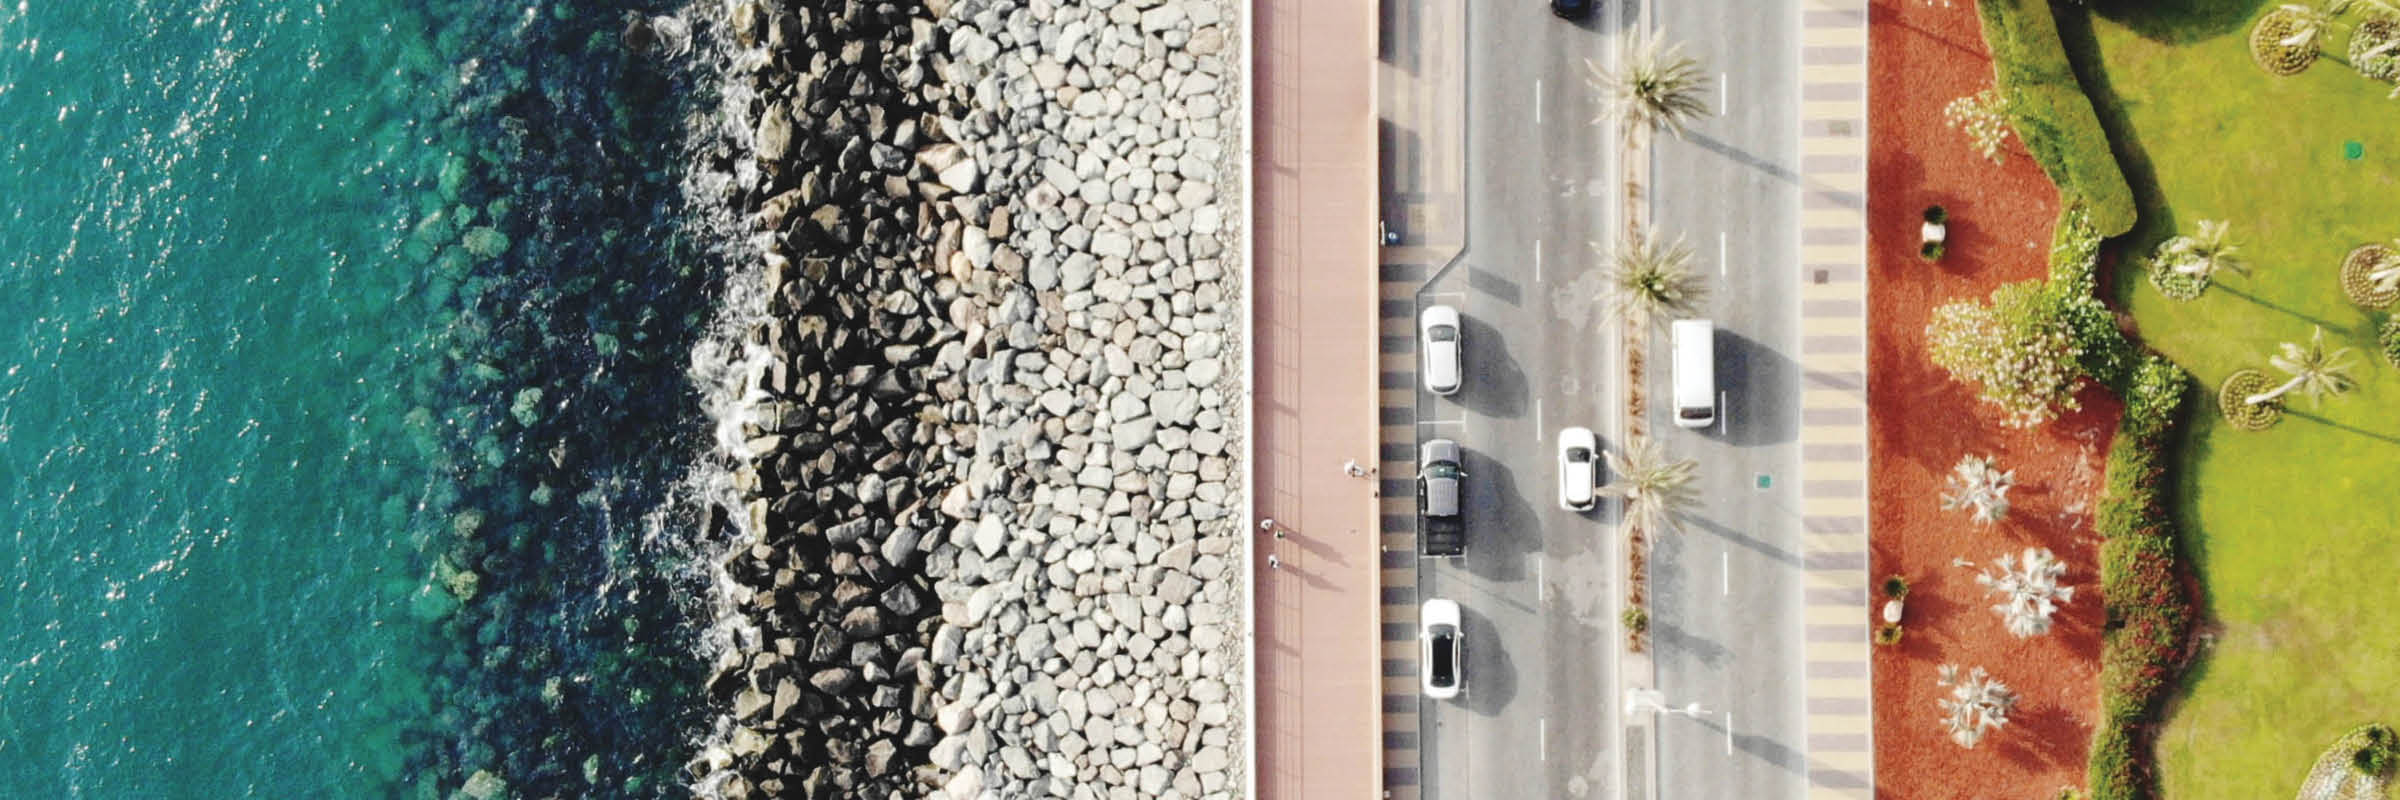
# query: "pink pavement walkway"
1319, 663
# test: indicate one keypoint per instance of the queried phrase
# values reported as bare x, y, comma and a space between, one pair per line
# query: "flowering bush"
1984, 116
2019, 352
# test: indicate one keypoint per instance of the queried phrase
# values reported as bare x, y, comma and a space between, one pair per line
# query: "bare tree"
2029, 591
1977, 704
1978, 485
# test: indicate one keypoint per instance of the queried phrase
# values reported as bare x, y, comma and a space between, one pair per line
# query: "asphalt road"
1537, 719
1726, 594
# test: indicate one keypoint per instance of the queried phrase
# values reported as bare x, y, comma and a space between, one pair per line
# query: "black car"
1571, 9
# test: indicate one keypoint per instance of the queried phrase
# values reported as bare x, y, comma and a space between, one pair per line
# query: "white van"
1695, 372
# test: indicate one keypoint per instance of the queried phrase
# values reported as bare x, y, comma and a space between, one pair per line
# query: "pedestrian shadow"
1764, 747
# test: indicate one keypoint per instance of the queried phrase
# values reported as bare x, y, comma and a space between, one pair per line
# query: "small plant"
1984, 117
2183, 266
2371, 275
1977, 704
1978, 485
2375, 48
1930, 251
1888, 634
2388, 336
2070, 793
1935, 215
1895, 587
2029, 590
2285, 40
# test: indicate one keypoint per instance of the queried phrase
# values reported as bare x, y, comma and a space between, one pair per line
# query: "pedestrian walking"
1274, 562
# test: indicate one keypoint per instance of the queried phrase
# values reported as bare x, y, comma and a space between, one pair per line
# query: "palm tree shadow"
2329, 422
2329, 325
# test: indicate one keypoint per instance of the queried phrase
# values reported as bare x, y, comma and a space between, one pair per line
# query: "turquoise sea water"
341, 401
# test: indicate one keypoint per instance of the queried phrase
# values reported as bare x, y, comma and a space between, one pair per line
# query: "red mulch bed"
1923, 55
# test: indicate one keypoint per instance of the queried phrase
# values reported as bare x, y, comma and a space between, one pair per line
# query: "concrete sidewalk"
1319, 672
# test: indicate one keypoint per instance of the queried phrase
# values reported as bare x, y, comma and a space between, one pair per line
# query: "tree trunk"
2271, 394
2385, 278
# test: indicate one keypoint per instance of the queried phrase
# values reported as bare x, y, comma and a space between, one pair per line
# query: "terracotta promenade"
1319, 674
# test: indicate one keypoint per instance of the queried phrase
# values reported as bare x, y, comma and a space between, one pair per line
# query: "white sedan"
1438, 326
1443, 648
1578, 468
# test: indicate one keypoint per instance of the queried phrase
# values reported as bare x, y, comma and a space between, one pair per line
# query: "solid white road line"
1724, 93
1541, 583
1537, 101
1537, 261
1729, 733
1725, 569
1723, 413
1721, 261
1459, 421
1545, 737
1538, 438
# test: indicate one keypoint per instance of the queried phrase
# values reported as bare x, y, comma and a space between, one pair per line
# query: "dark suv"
1571, 9
1438, 479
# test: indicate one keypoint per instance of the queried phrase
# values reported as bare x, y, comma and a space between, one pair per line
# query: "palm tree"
1657, 492
1651, 281
1977, 704
1654, 86
2315, 371
2310, 20
2029, 590
2203, 254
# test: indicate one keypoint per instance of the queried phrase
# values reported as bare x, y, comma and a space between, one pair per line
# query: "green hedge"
2141, 586
2050, 112
2149, 612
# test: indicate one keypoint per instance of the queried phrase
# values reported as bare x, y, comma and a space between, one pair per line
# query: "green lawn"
2295, 530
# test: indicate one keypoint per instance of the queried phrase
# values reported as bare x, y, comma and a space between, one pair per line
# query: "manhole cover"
1765, 480
2354, 150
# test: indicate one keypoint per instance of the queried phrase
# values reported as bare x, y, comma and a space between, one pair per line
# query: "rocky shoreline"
988, 479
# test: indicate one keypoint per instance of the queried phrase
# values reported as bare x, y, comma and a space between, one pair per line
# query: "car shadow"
1491, 383
1491, 674
1759, 385
1501, 526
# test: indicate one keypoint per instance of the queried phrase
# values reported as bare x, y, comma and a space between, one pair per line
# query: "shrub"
1636, 619
1931, 251
1895, 587
1936, 215
2019, 352
1984, 117
2051, 113
2153, 395
2378, 749
2388, 335
2367, 52
1888, 634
